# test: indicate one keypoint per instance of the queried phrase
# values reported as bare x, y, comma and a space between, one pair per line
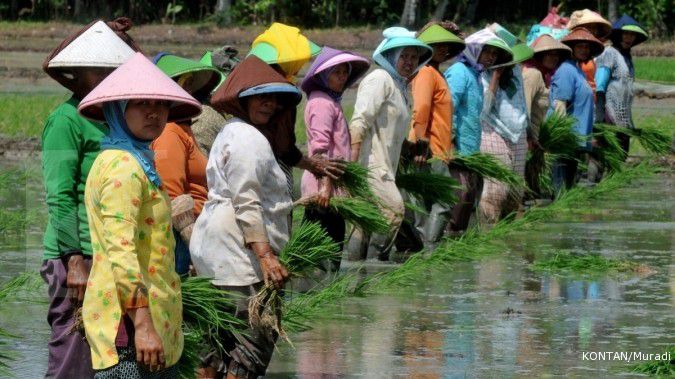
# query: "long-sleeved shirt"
615, 77
467, 100
327, 133
432, 112
248, 202
569, 85
133, 264
536, 98
180, 164
70, 144
505, 111
380, 122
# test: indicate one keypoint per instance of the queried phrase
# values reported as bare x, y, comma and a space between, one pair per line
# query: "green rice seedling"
662, 368
209, 312
428, 187
557, 135
570, 263
608, 152
653, 140
362, 213
490, 167
355, 180
308, 249
189, 362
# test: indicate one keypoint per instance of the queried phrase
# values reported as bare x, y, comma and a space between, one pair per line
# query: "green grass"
24, 115
655, 69
663, 368
567, 263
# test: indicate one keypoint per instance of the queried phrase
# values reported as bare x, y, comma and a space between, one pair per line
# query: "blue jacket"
467, 100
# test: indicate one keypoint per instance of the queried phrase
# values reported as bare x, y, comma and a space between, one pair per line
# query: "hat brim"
596, 47
180, 110
521, 53
293, 93
640, 34
505, 56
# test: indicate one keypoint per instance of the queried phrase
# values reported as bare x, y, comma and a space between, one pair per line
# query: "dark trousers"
461, 212
332, 223
69, 353
564, 172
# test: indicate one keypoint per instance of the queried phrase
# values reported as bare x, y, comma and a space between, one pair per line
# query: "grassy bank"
24, 115
655, 69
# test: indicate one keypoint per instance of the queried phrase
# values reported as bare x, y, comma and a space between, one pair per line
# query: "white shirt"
248, 202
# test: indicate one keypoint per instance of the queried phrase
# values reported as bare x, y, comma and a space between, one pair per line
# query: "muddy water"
498, 318
492, 318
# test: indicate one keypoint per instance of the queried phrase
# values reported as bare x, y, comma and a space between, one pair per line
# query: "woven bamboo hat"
139, 79
585, 18
582, 35
546, 42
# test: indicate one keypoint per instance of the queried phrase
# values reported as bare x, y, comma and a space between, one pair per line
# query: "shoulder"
377, 76
238, 133
319, 98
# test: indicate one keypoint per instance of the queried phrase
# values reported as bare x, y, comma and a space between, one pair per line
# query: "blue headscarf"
121, 138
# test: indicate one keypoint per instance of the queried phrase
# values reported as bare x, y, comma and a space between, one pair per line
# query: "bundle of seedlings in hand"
190, 360
363, 214
653, 140
489, 167
428, 187
557, 135
308, 249
208, 315
608, 151
355, 180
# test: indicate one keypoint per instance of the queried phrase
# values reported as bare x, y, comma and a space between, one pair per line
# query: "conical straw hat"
139, 79
202, 78
98, 46
583, 35
585, 17
438, 34
546, 42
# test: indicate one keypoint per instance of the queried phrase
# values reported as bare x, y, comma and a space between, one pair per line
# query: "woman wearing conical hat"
596, 25
537, 74
379, 125
244, 224
483, 49
70, 143
132, 309
179, 161
287, 50
504, 123
431, 132
328, 77
572, 95
615, 76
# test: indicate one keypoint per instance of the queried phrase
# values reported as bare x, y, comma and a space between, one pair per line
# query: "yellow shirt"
133, 257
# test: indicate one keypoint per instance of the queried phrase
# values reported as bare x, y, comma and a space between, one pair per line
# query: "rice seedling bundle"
428, 187
653, 140
490, 167
308, 249
608, 152
362, 213
557, 135
355, 180
662, 368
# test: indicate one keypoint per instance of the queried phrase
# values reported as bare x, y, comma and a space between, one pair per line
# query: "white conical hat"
98, 46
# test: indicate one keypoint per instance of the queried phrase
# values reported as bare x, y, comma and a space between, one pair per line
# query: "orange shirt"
588, 68
432, 112
180, 164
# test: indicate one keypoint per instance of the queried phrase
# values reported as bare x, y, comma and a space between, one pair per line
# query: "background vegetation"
657, 15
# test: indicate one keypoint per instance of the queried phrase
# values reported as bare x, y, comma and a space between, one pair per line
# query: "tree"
409, 13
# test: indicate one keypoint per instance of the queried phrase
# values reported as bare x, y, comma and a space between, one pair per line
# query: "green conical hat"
500, 44
203, 77
207, 60
521, 53
438, 34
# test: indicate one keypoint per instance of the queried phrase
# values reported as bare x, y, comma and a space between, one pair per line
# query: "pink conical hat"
138, 78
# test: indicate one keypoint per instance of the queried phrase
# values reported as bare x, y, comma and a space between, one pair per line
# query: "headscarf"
323, 79
249, 73
474, 46
121, 138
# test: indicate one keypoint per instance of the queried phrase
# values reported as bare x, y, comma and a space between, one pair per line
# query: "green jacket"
70, 144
